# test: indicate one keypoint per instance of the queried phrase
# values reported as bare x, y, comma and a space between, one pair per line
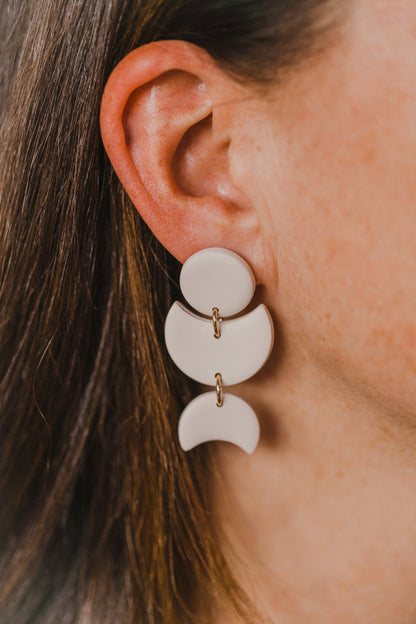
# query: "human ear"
165, 122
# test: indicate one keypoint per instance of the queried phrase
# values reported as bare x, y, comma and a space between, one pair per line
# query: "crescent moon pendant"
243, 348
235, 422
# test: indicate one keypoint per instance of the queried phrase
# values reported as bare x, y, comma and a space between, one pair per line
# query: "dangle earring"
218, 283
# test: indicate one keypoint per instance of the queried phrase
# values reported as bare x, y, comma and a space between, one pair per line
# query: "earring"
218, 283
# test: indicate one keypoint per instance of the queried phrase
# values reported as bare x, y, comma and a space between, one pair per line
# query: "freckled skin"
324, 512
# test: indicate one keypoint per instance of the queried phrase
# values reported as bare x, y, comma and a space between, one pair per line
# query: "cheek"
353, 265
348, 269
344, 215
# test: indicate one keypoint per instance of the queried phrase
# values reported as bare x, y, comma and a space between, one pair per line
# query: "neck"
303, 511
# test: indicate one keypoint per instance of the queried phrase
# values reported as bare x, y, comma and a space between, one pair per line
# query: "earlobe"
156, 122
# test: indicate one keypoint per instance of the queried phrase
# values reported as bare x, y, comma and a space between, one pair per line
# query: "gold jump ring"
218, 388
216, 322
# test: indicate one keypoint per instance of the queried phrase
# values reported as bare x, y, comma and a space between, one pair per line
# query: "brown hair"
103, 518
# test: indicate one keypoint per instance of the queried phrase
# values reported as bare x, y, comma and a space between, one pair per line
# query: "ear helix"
218, 283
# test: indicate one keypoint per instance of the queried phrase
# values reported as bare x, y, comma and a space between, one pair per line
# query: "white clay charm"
214, 351
201, 421
242, 349
217, 277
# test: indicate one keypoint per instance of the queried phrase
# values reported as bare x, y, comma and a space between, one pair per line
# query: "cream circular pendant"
217, 277
213, 351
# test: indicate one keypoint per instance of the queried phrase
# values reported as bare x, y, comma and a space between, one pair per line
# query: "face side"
331, 167
326, 510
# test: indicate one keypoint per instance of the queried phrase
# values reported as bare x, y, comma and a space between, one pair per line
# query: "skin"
313, 183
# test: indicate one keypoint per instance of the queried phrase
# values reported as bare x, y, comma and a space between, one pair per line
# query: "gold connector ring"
216, 322
218, 388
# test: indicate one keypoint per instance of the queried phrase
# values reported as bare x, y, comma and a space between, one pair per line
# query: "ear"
166, 120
